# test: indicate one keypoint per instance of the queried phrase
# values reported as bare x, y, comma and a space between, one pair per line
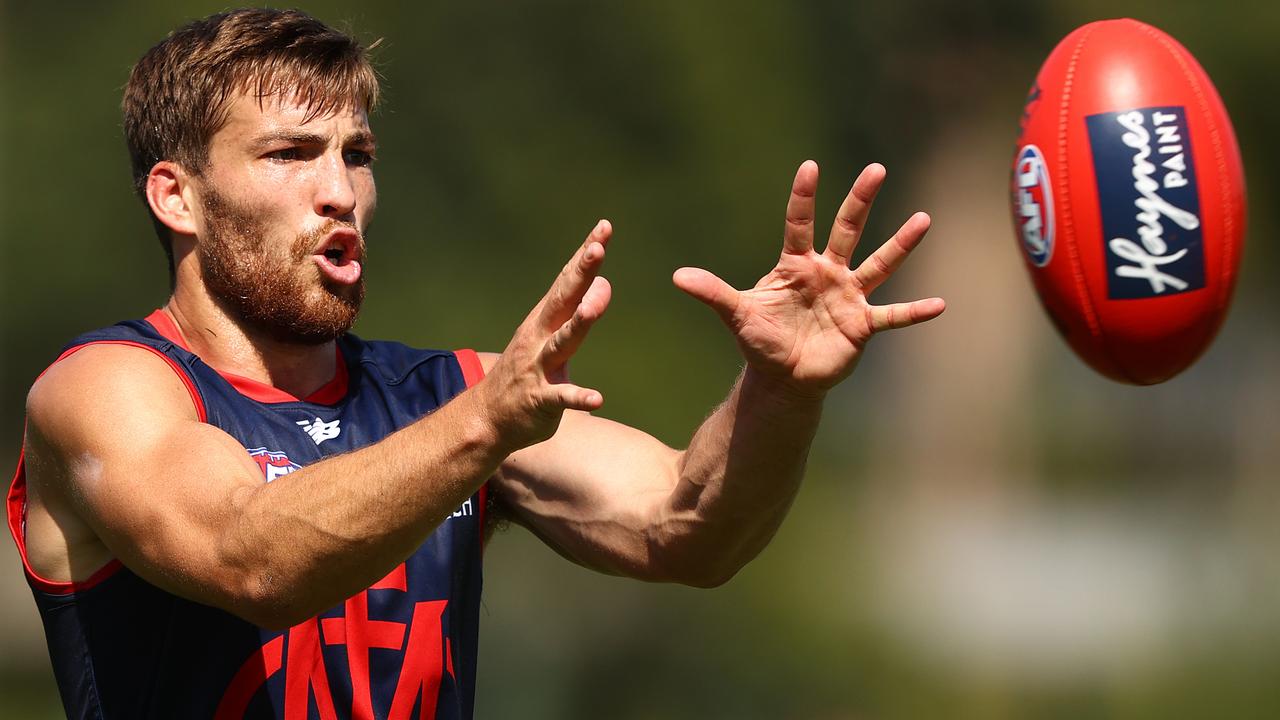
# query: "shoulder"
103, 388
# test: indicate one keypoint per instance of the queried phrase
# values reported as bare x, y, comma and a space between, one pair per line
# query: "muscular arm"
120, 465
112, 431
617, 500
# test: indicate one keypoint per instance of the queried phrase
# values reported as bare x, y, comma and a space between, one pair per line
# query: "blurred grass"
30, 693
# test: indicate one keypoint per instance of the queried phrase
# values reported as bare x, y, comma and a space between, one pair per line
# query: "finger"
852, 217
709, 289
575, 397
797, 235
575, 278
889, 257
900, 315
566, 340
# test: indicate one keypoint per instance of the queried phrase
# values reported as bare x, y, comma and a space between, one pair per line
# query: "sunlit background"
988, 529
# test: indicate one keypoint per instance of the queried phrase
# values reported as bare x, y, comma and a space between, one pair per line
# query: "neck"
228, 346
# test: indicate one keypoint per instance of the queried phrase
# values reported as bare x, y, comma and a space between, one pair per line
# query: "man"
235, 508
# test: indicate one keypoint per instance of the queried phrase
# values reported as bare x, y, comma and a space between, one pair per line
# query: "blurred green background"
987, 530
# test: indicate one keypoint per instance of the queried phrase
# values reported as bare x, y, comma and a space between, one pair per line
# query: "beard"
272, 289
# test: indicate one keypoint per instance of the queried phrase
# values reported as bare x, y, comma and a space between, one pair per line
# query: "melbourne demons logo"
295, 662
1149, 202
273, 463
1033, 198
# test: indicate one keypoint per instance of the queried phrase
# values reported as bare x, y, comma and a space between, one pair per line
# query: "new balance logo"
320, 430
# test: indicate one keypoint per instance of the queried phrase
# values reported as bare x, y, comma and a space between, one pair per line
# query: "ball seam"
1064, 185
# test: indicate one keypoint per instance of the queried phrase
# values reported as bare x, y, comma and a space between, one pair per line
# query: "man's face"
282, 209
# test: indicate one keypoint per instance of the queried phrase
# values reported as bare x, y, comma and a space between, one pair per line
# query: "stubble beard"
272, 290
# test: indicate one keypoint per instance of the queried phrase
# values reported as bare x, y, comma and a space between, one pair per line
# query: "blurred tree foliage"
508, 129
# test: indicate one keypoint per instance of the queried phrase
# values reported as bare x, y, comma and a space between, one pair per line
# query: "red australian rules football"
1128, 199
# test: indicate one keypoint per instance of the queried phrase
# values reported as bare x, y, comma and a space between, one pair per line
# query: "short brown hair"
179, 93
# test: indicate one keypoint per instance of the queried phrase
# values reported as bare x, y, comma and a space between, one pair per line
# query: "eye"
284, 154
359, 158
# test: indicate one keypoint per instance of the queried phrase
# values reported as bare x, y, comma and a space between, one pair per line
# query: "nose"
335, 193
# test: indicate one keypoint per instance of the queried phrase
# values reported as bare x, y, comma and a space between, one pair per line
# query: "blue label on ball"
1149, 202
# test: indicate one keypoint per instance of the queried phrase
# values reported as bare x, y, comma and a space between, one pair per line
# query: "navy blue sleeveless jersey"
404, 648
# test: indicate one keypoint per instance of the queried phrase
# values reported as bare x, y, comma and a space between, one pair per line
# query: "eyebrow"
297, 137
361, 137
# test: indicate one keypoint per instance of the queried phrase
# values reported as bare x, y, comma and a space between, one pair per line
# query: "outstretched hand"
528, 389
806, 323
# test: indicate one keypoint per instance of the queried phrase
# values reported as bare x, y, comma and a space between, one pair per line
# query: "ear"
169, 196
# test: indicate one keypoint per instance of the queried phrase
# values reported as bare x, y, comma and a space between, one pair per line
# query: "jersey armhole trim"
16, 498
472, 368
16, 507
472, 373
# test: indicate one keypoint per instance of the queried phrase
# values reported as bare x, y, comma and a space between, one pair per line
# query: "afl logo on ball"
1149, 201
1033, 203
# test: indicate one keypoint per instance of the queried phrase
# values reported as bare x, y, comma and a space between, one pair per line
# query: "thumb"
573, 397
709, 289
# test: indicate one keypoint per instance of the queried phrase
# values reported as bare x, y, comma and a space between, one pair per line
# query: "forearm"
319, 535
737, 480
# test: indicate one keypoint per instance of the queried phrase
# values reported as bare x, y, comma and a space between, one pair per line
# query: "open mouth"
339, 256
340, 247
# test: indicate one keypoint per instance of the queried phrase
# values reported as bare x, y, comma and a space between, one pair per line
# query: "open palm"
807, 321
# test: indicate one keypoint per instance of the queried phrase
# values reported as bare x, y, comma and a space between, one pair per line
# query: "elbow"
263, 583
702, 555
264, 601
699, 567
272, 596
